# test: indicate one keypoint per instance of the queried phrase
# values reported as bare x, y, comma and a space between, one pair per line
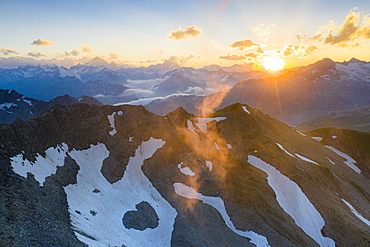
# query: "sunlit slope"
125, 176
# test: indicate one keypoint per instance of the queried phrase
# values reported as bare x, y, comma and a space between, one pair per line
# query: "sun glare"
273, 63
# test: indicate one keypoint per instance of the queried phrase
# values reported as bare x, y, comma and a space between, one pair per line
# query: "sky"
195, 33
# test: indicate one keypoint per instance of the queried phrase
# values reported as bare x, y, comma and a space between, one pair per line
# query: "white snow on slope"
6, 105
209, 165
202, 122
317, 138
27, 101
191, 126
246, 110
306, 159
114, 200
42, 167
349, 161
185, 170
228, 146
294, 202
111, 122
355, 212
217, 146
217, 202
282, 148
94, 194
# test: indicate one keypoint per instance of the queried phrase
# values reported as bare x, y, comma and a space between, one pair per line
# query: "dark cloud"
41, 42
244, 44
189, 32
6, 51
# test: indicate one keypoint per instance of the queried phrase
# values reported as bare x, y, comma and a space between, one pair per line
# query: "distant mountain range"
297, 96
14, 105
293, 96
87, 175
112, 84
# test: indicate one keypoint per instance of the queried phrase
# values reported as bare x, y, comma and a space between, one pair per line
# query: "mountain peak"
97, 61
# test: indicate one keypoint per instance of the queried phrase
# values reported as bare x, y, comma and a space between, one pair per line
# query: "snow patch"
317, 138
355, 212
202, 122
217, 202
130, 139
42, 167
306, 159
217, 146
209, 165
111, 122
6, 106
185, 170
294, 202
349, 161
282, 148
228, 146
246, 110
28, 102
334, 137
191, 126
330, 161
114, 200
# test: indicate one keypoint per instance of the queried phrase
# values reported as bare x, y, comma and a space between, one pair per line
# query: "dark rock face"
34, 214
14, 105
144, 217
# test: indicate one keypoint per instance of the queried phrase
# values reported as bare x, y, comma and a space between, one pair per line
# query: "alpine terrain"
87, 175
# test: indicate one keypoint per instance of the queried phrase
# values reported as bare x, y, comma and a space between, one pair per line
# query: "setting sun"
273, 63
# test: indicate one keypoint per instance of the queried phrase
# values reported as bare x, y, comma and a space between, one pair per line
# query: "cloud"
252, 55
184, 60
262, 30
41, 42
189, 32
354, 28
243, 44
6, 51
302, 51
233, 57
74, 52
346, 32
260, 50
345, 45
113, 56
36, 54
87, 49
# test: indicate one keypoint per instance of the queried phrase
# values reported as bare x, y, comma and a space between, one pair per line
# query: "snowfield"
96, 206
294, 202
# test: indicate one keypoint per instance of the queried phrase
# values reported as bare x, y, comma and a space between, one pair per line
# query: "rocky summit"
87, 175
